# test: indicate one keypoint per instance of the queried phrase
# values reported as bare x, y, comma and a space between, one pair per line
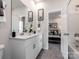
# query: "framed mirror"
22, 17
40, 14
30, 16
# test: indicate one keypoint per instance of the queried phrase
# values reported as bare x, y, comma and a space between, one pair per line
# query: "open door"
64, 37
65, 30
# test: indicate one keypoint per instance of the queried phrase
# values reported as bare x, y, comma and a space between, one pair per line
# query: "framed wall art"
40, 14
53, 25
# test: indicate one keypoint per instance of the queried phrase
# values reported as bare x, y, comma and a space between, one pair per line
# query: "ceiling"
17, 4
38, 1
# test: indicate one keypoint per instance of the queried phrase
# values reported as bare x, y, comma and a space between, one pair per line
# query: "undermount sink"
28, 34
25, 35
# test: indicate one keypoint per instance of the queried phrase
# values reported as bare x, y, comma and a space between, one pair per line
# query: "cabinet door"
40, 41
17, 49
38, 47
29, 52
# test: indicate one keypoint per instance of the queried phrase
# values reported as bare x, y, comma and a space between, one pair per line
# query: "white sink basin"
25, 36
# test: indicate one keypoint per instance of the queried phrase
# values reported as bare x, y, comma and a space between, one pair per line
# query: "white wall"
5, 29
5, 26
73, 21
73, 27
49, 6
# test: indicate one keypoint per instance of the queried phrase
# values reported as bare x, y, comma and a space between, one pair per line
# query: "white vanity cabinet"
29, 52
28, 48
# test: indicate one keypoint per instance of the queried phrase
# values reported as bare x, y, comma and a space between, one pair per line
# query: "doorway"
54, 38
54, 34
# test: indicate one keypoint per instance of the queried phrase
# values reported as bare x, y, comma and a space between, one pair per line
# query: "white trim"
55, 10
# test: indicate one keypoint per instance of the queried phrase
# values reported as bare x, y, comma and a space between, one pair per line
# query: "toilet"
1, 50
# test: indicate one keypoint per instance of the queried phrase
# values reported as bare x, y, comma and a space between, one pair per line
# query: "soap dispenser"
13, 34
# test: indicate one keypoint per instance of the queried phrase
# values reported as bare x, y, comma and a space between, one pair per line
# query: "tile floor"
52, 53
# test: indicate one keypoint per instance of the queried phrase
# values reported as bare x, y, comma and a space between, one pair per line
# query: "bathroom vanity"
26, 46
26, 42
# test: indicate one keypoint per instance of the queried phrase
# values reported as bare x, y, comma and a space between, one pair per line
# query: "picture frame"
30, 16
40, 14
1, 8
53, 25
1, 4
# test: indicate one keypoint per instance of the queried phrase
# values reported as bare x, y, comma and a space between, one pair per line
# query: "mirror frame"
30, 16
